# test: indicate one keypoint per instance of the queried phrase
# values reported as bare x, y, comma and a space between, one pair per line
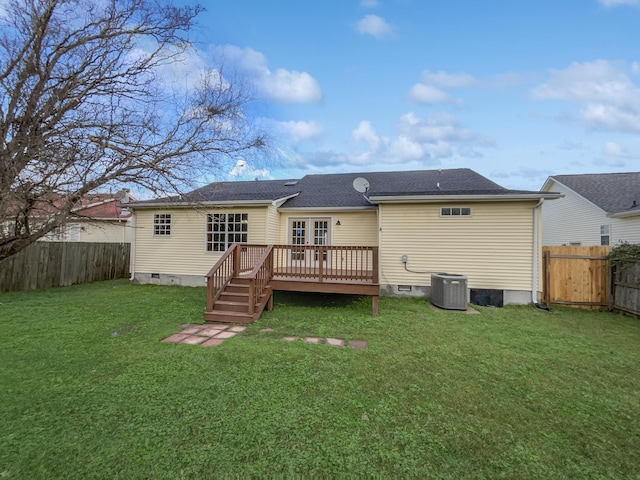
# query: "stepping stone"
225, 335
291, 339
175, 338
193, 329
265, 330
336, 342
211, 331
193, 340
237, 329
212, 342
358, 344
313, 339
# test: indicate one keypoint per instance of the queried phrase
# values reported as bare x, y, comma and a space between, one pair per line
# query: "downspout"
534, 279
132, 252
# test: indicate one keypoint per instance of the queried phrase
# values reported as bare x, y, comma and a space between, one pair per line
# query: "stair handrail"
260, 277
221, 274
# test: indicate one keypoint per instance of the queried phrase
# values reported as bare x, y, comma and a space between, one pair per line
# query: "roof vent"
291, 184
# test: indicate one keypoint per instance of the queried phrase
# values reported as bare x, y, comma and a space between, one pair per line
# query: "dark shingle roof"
336, 190
266, 190
612, 192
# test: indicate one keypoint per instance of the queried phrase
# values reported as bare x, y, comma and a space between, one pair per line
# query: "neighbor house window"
605, 232
162, 224
455, 212
224, 229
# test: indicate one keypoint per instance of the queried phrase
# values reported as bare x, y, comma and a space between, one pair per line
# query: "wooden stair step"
228, 306
229, 317
234, 297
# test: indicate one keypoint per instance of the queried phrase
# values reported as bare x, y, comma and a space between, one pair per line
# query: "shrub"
624, 251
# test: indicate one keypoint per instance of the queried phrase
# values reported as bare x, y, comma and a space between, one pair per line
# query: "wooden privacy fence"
55, 264
575, 276
625, 286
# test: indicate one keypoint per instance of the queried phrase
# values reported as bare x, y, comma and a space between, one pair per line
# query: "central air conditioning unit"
449, 291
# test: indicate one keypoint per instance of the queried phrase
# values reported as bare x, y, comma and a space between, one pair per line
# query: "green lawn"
87, 390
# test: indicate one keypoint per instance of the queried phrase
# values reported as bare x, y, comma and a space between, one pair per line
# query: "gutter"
132, 252
226, 203
326, 209
534, 275
631, 213
458, 198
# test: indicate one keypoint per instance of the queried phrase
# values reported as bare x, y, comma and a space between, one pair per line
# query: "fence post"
546, 279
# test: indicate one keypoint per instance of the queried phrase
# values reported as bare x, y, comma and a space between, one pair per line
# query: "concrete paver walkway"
211, 335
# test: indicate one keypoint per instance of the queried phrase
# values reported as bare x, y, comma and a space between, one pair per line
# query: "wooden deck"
263, 269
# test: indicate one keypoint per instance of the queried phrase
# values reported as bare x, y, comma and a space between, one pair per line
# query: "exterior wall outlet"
405, 258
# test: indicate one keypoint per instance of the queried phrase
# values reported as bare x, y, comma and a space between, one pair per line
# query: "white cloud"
243, 171
421, 93
375, 26
299, 131
286, 86
431, 90
437, 128
614, 155
609, 98
404, 148
238, 169
366, 133
282, 86
420, 140
615, 3
448, 80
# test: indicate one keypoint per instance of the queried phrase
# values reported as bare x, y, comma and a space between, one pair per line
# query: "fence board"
575, 276
625, 284
54, 264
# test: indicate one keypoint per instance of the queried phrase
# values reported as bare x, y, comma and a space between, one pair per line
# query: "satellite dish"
361, 185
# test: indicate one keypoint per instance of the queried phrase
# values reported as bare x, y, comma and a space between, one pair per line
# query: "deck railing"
221, 274
260, 277
250, 255
341, 269
324, 263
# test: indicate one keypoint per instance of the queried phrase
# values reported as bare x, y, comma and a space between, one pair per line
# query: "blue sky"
515, 90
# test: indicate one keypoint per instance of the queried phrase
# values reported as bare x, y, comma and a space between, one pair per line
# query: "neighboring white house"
101, 217
597, 209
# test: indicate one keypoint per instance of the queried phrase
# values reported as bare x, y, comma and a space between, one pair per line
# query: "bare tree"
83, 106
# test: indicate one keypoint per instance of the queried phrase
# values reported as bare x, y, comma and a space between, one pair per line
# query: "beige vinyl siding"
493, 247
113, 232
184, 251
357, 228
273, 225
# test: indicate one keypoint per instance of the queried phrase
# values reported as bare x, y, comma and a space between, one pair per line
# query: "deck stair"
241, 283
233, 303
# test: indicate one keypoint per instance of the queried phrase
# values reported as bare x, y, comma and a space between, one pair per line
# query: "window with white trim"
162, 224
224, 229
605, 235
455, 212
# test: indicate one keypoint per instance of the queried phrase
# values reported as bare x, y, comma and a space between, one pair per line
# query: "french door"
309, 233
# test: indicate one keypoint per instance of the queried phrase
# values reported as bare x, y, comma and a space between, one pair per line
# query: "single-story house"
99, 217
596, 209
96, 217
419, 222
